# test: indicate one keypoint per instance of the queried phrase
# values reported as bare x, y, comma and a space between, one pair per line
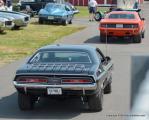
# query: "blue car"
54, 12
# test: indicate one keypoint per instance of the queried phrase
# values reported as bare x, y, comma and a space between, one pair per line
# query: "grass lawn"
20, 43
84, 11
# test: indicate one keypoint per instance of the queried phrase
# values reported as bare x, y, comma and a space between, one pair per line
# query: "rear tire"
1, 31
16, 27
102, 38
65, 22
143, 34
95, 102
98, 16
137, 38
25, 102
40, 21
108, 89
70, 22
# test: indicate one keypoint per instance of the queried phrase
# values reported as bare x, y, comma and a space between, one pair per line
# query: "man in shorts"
92, 6
2, 7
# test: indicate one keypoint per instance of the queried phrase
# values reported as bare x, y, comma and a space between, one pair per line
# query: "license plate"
54, 91
119, 25
50, 17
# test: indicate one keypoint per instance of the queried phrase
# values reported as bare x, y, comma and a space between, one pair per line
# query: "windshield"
27, 0
37, 1
54, 7
59, 56
122, 16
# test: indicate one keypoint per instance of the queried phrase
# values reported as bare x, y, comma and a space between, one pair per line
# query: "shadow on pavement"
96, 39
45, 109
47, 23
139, 68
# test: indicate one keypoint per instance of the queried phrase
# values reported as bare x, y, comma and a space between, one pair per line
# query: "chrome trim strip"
92, 86
54, 74
51, 74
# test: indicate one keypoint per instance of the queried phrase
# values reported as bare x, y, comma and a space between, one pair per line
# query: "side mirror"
67, 9
143, 19
108, 58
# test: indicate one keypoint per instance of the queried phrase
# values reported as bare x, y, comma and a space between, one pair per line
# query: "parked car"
64, 71
20, 19
36, 5
122, 24
54, 12
5, 24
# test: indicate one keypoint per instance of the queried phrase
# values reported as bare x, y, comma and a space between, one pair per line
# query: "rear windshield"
59, 56
122, 16
54, 7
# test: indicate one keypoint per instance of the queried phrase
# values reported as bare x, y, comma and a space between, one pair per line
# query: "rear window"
122, 16
59, 56
54, 7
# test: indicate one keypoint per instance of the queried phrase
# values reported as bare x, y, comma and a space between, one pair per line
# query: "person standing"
9, 5
92, 6
2, 7
136, 5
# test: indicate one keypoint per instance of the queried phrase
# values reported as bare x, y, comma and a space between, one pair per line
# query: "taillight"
103, 25
135, 26
32, 80
76, 81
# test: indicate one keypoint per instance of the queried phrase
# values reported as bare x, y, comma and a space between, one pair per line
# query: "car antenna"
106, 42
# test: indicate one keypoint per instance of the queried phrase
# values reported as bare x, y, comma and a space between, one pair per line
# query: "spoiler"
120, 9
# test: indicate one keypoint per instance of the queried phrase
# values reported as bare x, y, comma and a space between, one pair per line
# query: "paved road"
117, 103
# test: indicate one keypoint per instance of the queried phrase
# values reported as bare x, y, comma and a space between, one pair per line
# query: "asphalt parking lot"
116, 105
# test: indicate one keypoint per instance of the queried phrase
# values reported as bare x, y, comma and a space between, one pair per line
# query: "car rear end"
56, 73
119, 28
55, 86
120, 24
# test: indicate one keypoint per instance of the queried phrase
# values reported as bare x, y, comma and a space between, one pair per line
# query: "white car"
20, 19
5, 24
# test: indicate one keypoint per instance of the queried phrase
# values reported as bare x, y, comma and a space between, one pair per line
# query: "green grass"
20, 43
84, 11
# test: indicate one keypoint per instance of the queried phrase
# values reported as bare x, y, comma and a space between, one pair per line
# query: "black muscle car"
64, 71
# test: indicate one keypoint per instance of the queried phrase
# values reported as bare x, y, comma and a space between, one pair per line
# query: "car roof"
68, 47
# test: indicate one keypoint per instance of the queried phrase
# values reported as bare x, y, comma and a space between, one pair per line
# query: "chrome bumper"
6, 27
92, 86
2, 26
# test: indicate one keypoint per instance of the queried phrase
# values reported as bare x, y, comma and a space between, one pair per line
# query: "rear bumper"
41, 90
53, 20
119, 32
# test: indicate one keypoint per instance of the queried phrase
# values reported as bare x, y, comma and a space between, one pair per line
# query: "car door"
106, 65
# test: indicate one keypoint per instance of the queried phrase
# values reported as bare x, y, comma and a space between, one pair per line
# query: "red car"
122, 24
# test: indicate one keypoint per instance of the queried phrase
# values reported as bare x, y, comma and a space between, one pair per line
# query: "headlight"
8, 23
